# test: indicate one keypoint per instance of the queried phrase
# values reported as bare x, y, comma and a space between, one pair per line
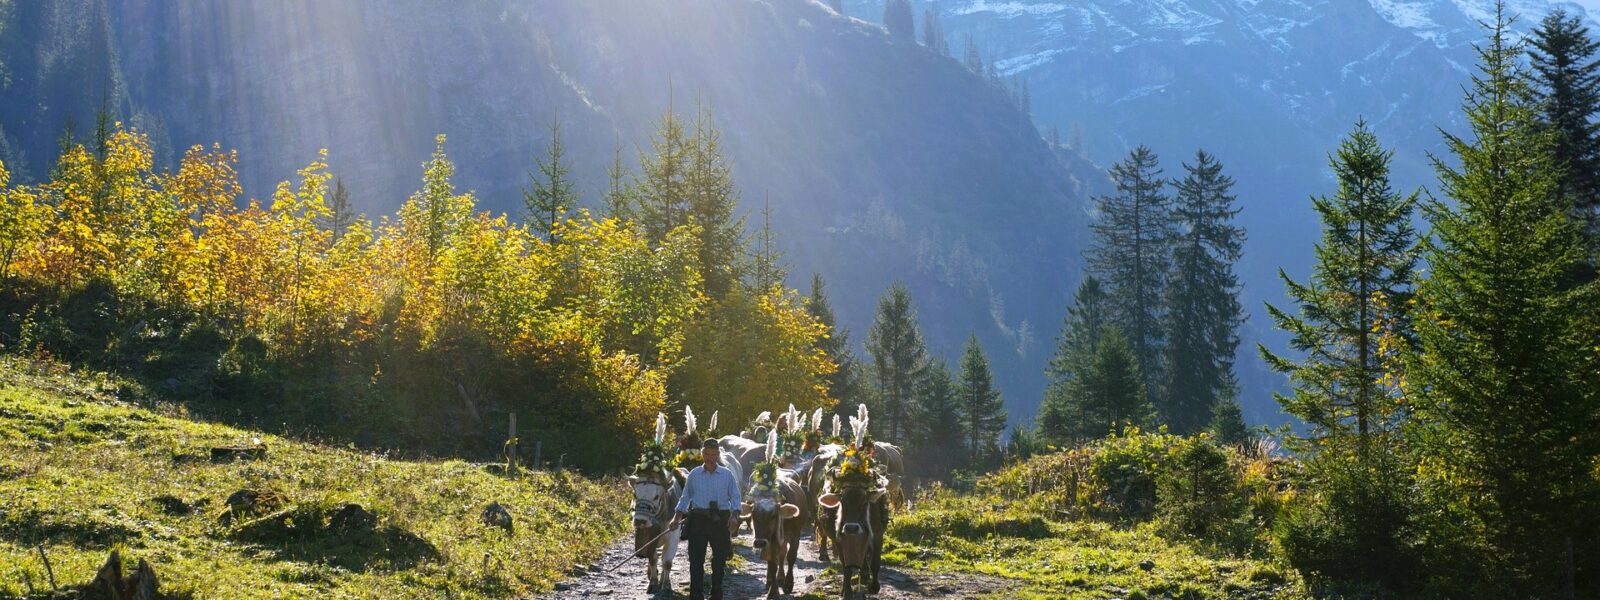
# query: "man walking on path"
710, 501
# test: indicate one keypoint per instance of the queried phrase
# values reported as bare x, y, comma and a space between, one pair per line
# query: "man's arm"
683, 499
733, 492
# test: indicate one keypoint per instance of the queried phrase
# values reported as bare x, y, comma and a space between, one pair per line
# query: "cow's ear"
878, 493
632, 479
790, 511
744, 509
681, 473
829, 500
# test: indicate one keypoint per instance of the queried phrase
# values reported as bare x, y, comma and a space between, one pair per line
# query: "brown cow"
863, 517
777, 518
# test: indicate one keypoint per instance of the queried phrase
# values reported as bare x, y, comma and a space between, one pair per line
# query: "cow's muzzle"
852, 529
759, 543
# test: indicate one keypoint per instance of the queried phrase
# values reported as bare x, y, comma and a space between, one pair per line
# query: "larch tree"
712, 201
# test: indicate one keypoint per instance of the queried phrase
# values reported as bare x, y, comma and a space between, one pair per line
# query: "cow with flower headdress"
657, 484
777, 512
857, 497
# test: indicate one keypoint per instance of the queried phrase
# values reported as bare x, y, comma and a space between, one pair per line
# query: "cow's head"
766, 515
854, 525
652, 503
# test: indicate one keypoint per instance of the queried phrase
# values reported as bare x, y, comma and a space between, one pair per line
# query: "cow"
893, 464
655, 496
777, 518
746, 452
813, 475
862, 505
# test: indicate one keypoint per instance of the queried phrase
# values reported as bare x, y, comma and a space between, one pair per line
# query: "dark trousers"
703, 529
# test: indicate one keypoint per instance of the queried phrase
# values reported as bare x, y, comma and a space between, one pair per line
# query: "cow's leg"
844, 582
788, 572
874, 558
650, 573
822, 542
667, 556
772, 579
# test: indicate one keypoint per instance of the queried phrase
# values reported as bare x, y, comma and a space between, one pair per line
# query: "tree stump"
109, 584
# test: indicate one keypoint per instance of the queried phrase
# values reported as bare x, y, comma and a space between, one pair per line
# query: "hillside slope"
882, 161
82, 472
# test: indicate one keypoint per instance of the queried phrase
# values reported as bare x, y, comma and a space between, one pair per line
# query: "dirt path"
747, 574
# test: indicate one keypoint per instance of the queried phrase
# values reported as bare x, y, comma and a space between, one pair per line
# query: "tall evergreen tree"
660, 197
1227, 424
1130, 254
845, 383
897, 18
1202, 297
768, 270
933, 31
1111, 393
712, 200
1503, 381
550, 194
936, 430
1060, 414
1362, 274
617, 200
983, 413
341, 215
899, 358
970, 56
1567, 86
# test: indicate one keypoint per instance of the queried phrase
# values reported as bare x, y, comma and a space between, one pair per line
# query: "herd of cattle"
850, 513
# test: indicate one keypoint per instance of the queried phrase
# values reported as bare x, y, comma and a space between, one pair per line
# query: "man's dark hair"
710, 444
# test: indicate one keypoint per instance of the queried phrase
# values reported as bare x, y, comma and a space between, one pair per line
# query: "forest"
1444, 354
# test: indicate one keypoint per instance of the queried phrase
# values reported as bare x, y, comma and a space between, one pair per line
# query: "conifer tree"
844, 384
933, 31
1111, 393
768, 271
971, 58
712, 199
899, 358
1130, 254
618, 200
551, 193
1060, 414
341, 215
897, 18
983, 413
937, 430
1201, 296
1567, 86
1363, 273
1503, 381
1227, 424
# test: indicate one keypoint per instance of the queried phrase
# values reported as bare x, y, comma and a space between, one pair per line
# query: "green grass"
82, 473
1071, 559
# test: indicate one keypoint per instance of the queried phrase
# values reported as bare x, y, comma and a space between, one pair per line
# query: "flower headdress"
657, 456
764, 475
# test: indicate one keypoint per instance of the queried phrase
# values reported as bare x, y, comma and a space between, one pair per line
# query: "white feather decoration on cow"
688, 421
661, 428
836, 426
855, 431
712, 428
794, 417
816, 420
861, 412
772, 445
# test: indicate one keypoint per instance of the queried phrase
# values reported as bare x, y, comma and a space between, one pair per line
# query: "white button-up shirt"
704, 487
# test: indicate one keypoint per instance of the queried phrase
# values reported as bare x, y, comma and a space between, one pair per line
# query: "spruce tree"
1130, 254
712, 200
933, 31
1503, 380
618, 199
1363, 273
1227, 424
1201, 296
970, 56
767, 266
341, 215
897, 18
1567, 86
845, 383
550, 194
1111, 393
983, 413
899, 359
1061, 414
660, 198
936, 430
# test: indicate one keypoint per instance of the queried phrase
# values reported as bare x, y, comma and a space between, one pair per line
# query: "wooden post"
538, 450
511, 447
561, 462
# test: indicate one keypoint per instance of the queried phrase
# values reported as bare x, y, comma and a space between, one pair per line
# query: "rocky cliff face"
882, 161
